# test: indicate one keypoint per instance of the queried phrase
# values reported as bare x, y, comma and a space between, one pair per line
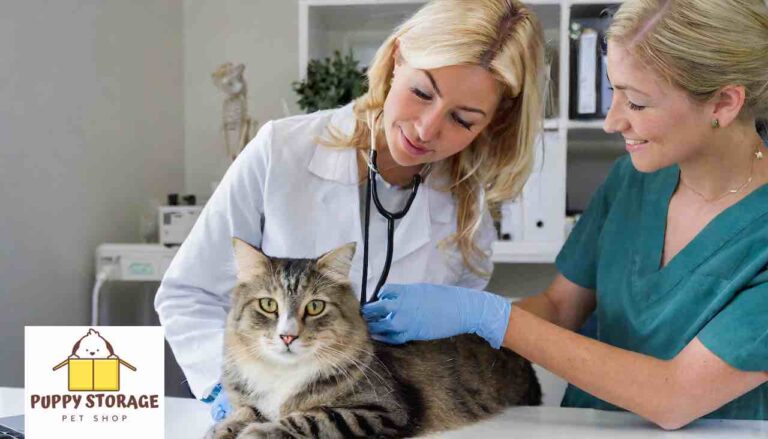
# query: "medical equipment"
128, 262
175, 223
372, 192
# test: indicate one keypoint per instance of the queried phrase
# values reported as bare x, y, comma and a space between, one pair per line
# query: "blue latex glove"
428, 312
220, 406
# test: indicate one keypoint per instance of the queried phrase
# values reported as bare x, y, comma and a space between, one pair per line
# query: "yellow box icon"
97, 374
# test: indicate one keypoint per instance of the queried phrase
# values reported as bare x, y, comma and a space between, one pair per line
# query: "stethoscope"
371, 192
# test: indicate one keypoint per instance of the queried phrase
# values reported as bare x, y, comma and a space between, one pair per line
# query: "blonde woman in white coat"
456, 87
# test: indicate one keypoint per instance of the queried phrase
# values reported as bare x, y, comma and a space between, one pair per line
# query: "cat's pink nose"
288, 339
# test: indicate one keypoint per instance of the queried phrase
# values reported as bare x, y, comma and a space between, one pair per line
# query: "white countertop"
189, 418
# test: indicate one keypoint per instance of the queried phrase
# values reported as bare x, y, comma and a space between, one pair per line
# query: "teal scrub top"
715, 288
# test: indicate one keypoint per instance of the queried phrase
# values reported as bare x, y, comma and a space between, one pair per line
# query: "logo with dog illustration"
93, 364
115, 382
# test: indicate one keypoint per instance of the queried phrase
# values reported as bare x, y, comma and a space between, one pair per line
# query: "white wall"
263, 35
91, 128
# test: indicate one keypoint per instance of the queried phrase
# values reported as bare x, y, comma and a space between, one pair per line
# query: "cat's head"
294, 311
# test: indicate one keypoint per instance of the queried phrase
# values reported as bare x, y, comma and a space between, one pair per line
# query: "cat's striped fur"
333, 381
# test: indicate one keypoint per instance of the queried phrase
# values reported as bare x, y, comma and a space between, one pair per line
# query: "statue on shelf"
238, 126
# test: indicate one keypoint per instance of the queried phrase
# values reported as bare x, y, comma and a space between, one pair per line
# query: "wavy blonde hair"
701, 45
503, 36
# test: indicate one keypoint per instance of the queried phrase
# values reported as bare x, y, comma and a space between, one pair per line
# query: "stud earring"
715, 123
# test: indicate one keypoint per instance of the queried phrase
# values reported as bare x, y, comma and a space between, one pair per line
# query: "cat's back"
461, 379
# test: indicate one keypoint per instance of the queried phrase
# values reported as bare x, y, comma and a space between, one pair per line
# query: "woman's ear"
728, 103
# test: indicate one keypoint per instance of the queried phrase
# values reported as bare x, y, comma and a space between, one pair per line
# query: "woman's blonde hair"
503, 36
701, 45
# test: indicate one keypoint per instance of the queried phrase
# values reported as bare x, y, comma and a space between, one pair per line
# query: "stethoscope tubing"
371, 192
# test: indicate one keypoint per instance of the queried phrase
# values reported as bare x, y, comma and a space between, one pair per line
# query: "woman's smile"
413, 148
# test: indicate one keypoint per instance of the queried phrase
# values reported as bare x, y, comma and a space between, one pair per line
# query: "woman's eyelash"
632, 106
424, 96
420, 94
461, 122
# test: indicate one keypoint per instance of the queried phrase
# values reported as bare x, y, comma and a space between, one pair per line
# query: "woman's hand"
428, 312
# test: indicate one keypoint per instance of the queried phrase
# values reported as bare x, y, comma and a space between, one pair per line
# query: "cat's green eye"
315, 307
268, 305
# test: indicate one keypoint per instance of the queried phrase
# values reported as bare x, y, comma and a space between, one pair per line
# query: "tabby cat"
298, 362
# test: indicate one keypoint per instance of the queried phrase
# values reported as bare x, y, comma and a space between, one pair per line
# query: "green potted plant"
330, 83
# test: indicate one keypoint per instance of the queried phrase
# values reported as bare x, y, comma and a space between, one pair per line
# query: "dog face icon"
91, 346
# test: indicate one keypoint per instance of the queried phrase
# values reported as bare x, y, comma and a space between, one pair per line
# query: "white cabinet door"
539, 213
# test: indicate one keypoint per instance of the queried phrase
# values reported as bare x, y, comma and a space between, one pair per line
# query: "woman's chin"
642, 164
405, 160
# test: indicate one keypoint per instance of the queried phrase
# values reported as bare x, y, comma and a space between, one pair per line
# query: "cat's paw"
225, 430
267, 430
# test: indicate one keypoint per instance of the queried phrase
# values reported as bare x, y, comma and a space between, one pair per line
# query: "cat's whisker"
373, 357
353, 382
341, 363
370, 356
338, 365
335, 367
362, 367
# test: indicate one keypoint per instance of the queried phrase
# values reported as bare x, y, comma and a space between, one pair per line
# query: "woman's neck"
729, 164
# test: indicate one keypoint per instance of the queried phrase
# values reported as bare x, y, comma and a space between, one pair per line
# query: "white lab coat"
292, 197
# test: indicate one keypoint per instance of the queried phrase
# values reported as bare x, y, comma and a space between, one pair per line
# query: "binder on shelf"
587, 73
537, 216
590, 90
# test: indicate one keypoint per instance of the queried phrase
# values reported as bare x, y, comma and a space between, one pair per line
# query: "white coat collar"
337, 164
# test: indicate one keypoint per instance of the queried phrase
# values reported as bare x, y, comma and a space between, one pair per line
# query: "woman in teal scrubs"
672, 252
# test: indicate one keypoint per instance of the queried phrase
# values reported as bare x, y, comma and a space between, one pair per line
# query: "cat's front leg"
234, 423
332, 423
297, 425
267, 430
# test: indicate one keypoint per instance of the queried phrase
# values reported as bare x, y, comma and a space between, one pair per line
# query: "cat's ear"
239, 69
336, 263
250, 261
